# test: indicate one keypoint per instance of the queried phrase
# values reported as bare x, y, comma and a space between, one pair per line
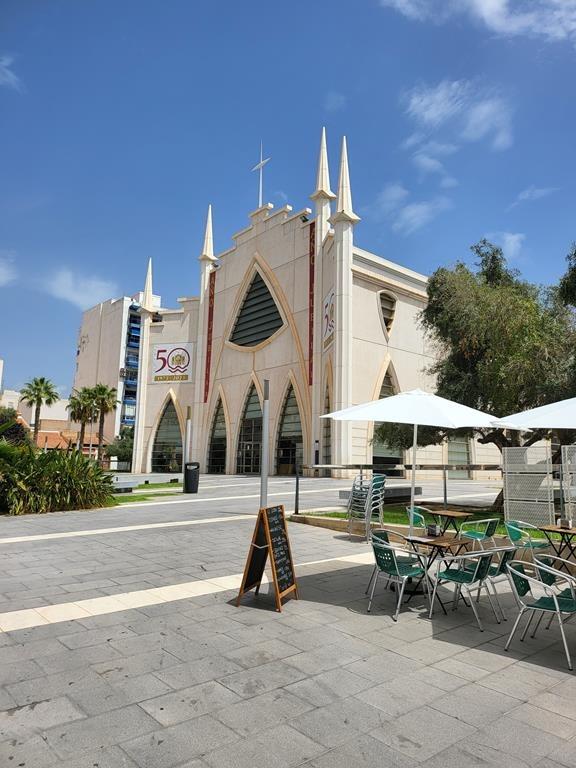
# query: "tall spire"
148, 292
323, 177
344, 210
208, 247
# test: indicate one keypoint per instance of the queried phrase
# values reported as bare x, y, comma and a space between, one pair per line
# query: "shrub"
36, 482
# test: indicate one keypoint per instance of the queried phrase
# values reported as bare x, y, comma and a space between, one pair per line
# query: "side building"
108, 353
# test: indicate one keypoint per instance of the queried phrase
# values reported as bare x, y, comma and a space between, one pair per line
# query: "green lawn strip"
395, 514
159, 485
130, 498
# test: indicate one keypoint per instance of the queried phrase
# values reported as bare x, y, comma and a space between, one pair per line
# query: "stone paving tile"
177, 706
546, 720
111, 757
434, 732
103, 730
475, 704
364, 752
266, 677
32, 752
518, 739
467, 754
401, 695
339, 722
168, 747
189, 673
519, 681
386, 665
26, 720
261, 653
280, 747
250, 716
329, 686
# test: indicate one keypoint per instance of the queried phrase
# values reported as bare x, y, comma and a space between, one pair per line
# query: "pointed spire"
323, 177
208, 247
344, 210
148, 292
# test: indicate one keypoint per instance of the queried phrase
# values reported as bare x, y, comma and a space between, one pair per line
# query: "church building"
294, 301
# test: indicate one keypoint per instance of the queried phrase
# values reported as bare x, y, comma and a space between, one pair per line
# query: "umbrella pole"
413, 488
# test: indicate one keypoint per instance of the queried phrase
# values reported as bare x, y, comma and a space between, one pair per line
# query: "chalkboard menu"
270, 538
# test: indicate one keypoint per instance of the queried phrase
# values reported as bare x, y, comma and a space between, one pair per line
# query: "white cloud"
406, 217
334, 101
490, 117
551, 19
427, 164
8, 273
414, 216
449, 182
8, 78
83, 292
433, 106
389, 200
532, 193
471, 112
510, 242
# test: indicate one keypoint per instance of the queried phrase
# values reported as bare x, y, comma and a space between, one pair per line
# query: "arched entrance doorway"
383, 456
250, 437
289, 447
217, 444
167, 447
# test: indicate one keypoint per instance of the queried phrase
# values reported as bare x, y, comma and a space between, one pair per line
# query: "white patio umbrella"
560, 415
419, 409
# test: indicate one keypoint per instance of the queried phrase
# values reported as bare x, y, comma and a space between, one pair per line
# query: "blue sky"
121, 121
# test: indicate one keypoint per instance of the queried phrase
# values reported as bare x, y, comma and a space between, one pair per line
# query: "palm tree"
82, 408
38, 392
105, 402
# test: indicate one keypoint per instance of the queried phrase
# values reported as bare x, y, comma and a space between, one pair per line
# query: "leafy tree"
105, 399
567, 286
36, 393
82, 408
122, 445
503, 345
11, 430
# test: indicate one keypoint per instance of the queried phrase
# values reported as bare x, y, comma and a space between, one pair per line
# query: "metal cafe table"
565, 546
448, 517
437, 546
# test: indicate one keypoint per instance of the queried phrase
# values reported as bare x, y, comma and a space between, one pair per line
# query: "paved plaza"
121, 646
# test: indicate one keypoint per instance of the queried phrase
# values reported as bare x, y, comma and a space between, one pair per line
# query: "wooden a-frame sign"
270, 538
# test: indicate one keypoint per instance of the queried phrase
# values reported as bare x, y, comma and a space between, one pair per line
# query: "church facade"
295, 302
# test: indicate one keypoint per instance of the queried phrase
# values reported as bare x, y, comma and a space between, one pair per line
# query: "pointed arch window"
167, 448
289, 448
258, 318
218, 441
250, 437
387, 309
327, 432
383, 456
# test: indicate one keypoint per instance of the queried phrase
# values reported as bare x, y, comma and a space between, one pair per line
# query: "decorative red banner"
312, 258
211, 291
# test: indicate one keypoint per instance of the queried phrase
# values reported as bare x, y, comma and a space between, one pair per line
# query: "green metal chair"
479, 531
396, 570
418, 516
536, 597
519, 534
497, 572
404, 553
366, 501
466, 579
551, 566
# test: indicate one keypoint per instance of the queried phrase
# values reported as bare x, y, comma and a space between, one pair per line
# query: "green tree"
122, 445
105, 400
502, 345
36, 393
82, 408
11, 430
567, 286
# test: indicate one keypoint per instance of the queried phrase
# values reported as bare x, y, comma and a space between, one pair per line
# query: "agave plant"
36, 482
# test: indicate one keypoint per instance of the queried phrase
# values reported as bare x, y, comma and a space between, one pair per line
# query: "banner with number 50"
171, 362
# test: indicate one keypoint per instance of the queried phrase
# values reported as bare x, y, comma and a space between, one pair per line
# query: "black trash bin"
191, 476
